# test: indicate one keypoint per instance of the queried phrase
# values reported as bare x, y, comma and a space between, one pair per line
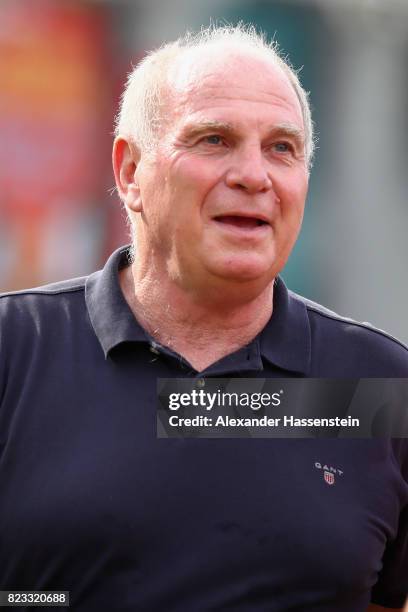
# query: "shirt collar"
285, 341
110, 314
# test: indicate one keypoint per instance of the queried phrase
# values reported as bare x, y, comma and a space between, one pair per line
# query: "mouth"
241, 222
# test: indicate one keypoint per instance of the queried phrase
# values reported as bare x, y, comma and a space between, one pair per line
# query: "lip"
244, 215
243, 231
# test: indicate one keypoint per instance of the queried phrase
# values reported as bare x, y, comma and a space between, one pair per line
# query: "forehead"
227, 80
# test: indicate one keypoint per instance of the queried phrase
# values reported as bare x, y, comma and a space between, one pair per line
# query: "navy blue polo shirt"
92, 502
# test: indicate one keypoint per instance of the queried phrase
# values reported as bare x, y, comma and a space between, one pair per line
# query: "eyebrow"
290, 130
195, 129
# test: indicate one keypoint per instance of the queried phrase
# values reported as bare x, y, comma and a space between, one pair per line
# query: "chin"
246, 270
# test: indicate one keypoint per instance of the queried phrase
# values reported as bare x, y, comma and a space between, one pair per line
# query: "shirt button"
154, 348
200, 383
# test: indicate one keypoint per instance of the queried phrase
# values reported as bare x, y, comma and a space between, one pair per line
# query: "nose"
248, 171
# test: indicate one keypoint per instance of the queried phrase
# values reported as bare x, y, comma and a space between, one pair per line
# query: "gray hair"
140, 115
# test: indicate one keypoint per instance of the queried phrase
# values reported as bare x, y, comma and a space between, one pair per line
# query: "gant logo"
328, 477
329, 472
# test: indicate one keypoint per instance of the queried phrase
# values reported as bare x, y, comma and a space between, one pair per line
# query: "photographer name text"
286, 421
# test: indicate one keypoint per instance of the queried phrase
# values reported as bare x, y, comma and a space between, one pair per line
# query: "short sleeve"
391, 589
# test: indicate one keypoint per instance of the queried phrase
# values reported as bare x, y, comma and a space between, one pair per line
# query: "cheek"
195, 176
292, 194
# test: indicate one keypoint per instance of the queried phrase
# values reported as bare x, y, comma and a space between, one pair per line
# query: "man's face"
223, 195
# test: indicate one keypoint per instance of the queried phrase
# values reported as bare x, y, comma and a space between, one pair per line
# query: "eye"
212, 139
283, 147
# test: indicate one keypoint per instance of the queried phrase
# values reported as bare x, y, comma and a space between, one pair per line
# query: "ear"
125, 158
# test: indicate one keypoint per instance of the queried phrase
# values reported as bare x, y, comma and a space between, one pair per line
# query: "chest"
88, 490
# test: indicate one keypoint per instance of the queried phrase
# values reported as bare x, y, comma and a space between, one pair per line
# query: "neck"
200, 328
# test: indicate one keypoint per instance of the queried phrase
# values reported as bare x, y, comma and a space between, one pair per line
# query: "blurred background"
63, 64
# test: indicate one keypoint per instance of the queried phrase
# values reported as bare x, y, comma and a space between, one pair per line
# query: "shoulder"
58, 288
31, 307
38, 325
350, 347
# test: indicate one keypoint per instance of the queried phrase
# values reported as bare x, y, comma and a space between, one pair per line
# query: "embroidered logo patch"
329, 472
329, 477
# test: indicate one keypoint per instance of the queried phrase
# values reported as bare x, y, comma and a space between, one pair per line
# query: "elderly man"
211, 157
